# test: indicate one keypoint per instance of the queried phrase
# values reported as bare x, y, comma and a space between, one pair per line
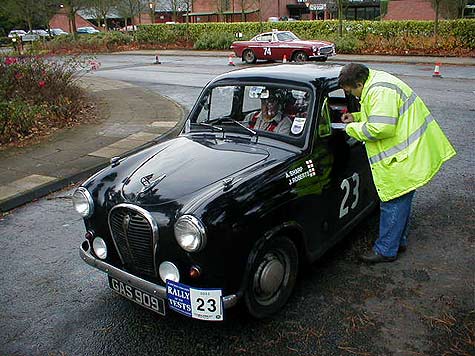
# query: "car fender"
290, 229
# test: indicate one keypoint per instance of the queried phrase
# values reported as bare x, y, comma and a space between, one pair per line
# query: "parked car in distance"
228, 210
87, 30
128, 28
277, 44
58, 32
16, 33
41, 33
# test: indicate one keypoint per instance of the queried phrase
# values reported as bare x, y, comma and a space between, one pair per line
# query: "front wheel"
300, 56
249, 56
272, 277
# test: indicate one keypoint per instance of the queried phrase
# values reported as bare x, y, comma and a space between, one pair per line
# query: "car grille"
326, 50
134, 238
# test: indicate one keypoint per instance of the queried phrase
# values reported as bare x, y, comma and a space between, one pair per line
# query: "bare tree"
341, 4
129, 9
22, 10
72, 7
101, 8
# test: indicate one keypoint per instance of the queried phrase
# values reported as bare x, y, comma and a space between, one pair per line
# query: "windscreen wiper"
224, 119
218, 128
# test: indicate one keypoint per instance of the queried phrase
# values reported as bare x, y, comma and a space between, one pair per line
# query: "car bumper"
316, 56
137, 282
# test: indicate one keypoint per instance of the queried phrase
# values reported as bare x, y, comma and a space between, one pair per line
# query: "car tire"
249, 56
300, 56
272, 277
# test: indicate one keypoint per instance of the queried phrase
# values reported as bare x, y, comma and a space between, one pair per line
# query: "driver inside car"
270, 117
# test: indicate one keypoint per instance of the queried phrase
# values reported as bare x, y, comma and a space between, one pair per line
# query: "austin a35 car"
276, 45
225, 212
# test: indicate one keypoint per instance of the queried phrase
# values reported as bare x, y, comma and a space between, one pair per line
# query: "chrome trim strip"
398, 148
375, 119
146, 286
151, 221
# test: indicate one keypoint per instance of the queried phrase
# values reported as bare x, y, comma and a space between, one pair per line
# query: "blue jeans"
393, 225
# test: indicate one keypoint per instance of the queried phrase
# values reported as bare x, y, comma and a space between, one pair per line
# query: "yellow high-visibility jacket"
405, 145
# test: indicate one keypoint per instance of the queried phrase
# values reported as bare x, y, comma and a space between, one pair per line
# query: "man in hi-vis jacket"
405, 147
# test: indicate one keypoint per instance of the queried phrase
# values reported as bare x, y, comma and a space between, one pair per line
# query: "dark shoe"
402, 249
374, 257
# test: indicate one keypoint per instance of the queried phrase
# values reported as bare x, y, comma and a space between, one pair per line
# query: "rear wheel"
300, 56
249, 56
272, 277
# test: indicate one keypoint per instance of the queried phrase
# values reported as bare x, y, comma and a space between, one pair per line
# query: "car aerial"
16, 33
224, 213
87, 30
275, 45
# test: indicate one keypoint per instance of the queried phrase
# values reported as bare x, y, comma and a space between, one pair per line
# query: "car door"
344, 189
263, 49
278, 48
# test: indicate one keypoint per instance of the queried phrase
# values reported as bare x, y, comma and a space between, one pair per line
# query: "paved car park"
420, 304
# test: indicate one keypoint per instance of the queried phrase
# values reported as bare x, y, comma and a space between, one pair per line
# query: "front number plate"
197, 303
138, 296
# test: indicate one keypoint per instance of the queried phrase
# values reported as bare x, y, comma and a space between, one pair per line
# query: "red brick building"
410, 10
61, 20
246, 10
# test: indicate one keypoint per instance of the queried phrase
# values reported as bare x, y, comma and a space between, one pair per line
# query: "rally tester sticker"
197, 303
300, 173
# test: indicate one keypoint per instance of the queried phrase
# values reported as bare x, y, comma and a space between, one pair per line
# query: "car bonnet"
186, 165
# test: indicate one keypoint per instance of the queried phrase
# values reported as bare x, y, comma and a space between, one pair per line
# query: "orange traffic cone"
284, 60
230, 60
157, 60
437, 71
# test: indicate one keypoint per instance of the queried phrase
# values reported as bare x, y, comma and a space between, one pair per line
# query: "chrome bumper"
139, 283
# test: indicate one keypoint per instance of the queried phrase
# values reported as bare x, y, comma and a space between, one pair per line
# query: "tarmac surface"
132, 117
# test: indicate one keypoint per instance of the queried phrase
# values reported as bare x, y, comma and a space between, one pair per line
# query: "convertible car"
224, 213
276, 45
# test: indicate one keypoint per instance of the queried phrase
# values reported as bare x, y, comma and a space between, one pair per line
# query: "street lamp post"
152, 11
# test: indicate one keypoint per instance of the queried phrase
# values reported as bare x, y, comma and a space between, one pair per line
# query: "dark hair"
353, 73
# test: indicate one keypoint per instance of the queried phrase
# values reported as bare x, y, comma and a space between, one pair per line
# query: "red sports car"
277, 44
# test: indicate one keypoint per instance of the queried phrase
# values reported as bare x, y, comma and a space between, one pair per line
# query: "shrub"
100, 42
37, 93
215, 40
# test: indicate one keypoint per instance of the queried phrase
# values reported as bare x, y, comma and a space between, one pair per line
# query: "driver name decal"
297, 174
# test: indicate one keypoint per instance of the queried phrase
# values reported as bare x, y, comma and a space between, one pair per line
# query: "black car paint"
246, 199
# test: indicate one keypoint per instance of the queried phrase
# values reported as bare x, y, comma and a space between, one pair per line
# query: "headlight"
314, 49
190, 233
100, 248
82, 202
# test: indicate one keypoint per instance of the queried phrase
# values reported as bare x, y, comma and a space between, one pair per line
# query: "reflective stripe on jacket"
405, 145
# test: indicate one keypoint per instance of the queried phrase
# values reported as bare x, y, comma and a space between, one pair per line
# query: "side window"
324, 123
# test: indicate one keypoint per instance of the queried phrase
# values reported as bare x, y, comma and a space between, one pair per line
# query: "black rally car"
224, 211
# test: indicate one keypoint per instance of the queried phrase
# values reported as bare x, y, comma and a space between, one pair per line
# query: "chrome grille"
326, 50
135, 237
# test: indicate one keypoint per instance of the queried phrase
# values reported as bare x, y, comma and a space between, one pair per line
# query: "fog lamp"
168, 271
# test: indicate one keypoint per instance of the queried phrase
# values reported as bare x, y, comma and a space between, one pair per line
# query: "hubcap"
269, 276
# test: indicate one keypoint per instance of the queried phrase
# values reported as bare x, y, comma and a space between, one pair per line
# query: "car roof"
315, 75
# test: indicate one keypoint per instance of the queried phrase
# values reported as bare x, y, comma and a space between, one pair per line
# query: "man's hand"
347, 118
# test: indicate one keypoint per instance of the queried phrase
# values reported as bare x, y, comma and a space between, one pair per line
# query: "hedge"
462, 31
